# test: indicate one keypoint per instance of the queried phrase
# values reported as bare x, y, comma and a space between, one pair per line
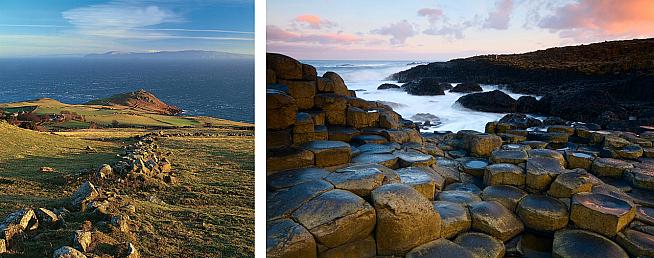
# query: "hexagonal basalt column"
494, 219
287, 239
329, 153
454, 216
414, 158
609, 167
579, 160
504, 174
509, 156
508, 196
541, 172
337, 217
601, 213
584, 244
405, 219
543, 213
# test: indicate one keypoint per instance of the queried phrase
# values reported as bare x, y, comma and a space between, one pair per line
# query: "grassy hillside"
209, 213
24, 152
106, 115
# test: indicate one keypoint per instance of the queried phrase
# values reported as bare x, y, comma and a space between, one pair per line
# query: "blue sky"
51, 28
445, 29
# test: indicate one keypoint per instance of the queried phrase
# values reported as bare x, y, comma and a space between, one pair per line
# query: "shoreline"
348, 176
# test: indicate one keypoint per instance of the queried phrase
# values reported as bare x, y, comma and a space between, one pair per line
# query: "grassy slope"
105, 115
210, 211
23, 152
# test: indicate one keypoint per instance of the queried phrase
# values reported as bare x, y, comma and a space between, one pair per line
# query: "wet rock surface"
584, 244
482, 245
601, 213
492, 218
542, 213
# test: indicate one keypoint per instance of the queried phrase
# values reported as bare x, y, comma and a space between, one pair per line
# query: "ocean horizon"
216, 88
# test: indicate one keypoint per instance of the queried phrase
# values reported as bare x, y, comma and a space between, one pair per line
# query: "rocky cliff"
623, 70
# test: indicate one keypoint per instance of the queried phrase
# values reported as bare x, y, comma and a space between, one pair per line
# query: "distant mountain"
185, 54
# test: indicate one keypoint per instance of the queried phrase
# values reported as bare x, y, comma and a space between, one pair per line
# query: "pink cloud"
602, 19
399, 31
275, 33
499, 18
433, 14
314, 21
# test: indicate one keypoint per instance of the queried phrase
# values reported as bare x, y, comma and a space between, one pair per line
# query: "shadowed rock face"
563, 76
467, 87
285, 238
440, 248
508, 196
584, 244
481, 244
494, 219
426, 87
636, 243
494, 101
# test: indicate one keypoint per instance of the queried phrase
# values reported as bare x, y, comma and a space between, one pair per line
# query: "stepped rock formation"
139, 100
350, 178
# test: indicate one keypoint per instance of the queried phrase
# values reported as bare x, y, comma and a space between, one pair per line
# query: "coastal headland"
125, 176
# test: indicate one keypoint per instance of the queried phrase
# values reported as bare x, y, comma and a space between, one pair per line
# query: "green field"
104, 116
210, 213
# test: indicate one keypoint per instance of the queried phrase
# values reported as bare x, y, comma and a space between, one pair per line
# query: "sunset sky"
58, 28
441, 30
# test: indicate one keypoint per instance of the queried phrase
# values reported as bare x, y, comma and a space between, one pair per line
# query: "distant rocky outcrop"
493, 101
172, 55
139, 100
426, 87
467, 87
621, 71
386, 86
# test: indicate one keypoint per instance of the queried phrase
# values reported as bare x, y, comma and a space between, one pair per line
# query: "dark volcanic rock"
571, 76
426, 87
467, 87
584, 244
494, 101
584, 105
386, 86
527, 104
521, 121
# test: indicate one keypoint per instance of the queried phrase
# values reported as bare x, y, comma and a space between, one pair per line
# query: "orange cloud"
314, 21
277, 34
602, 18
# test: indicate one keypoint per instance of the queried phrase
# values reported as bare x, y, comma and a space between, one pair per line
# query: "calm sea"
222, 89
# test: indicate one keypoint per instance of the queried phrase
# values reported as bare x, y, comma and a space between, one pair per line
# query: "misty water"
366, 76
